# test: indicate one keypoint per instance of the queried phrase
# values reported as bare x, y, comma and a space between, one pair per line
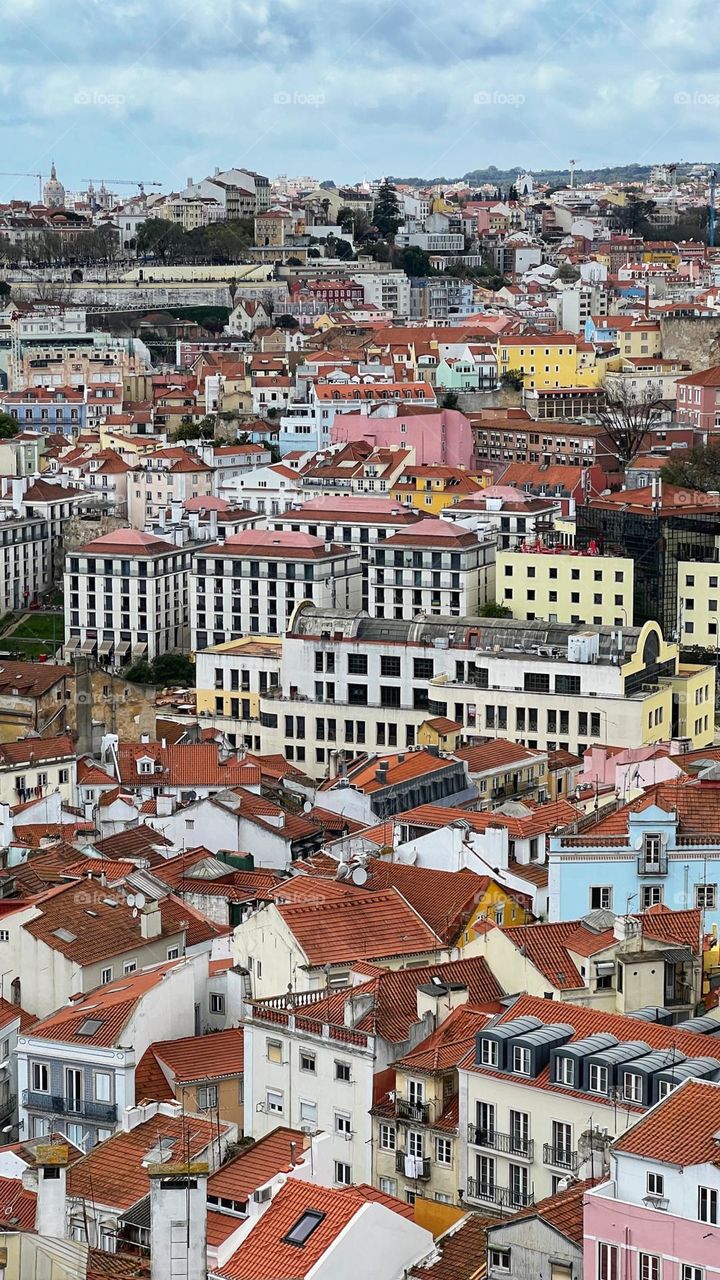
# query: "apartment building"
126, 597
158, 479
46, 409
512, 435
252, 582
652, 851
548, 1086
658, 1212
565, 586
34, 768
354, 521
548, 686
24, 560
229, 679
698, 603
698, 399
511, 516
433, 566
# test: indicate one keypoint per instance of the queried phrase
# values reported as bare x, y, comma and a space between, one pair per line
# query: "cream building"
562, 586
698, 603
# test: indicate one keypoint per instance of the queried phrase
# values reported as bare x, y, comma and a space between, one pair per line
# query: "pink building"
437, 435
698, 399
658, 1216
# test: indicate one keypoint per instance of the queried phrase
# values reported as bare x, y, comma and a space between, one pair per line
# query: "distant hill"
554, 177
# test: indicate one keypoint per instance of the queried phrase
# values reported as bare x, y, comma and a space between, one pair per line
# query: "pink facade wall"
639, 1230
444, 437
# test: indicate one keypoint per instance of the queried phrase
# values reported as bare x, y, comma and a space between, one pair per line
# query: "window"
207, 1097
648, 1266
273, 1102
564, 1071
499, 1259
103, 1086
708, 1205
388, 1186
488, 1053
608, 1267
601, 897
423, 668
308, 1222
521, 1060
390, 666
655, 1184
342, 1071
106, 975
690, 1272
598, 1082
173, 954
217, 1002
443, 1151
388, 1137
342, 1123
706, 896
40, 1079
273, 1050
308, 1113
307, 1061
357, 664
632, 1090
343, 1173
129, 967
650, 895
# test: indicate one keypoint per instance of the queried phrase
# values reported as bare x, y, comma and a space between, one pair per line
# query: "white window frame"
523, 1055
343, 1123
598, 1068
488, 1053
712, 1199
343, 1174
498, 1258
274, 1102
40, 1069
444, 1145
649, 1266
388, 1137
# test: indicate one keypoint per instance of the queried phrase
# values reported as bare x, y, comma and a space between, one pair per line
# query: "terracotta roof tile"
17, 1206
109, 1006
372, 926
496, 753
259, 1162
446, 1046
210, 1057
28, 750
462, 1252
681, 1130
445, 900
198, 764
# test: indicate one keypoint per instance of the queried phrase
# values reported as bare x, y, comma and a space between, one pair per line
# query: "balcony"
61, 1106
510, 1144
652, 866
415, 1112
422, 1176
499, 1197
561, 1157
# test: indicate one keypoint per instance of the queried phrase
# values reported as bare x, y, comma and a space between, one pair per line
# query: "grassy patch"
37, 633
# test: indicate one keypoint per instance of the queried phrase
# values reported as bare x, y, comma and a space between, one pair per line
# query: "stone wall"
692, 338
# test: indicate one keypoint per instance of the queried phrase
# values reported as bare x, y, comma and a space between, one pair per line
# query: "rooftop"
681, 1130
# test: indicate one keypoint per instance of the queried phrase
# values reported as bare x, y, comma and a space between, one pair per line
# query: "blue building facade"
56, 410
653, 856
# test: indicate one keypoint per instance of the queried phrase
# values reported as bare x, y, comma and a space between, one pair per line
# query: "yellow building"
548, 361
693, 692
230, 678
498, 905
566, 587
698, 603
433, 487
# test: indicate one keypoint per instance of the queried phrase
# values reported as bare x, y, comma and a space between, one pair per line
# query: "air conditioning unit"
656, 1202
262, 1195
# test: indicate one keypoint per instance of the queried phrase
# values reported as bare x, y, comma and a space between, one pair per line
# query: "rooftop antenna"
571, 166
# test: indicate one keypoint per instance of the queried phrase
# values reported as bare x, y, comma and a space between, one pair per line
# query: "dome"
54, 191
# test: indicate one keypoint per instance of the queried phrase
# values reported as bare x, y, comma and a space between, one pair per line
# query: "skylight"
300, 1233
90, 1026
65, 935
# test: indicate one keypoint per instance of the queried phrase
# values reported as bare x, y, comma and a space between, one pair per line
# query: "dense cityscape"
359, 745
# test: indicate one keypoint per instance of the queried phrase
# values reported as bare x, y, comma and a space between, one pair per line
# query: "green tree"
8, 426
415, 261
450, 400
339, 248
494, 610
4, 286
173, 668
513, 378
139, 673
286, 321
698, 469
386, 215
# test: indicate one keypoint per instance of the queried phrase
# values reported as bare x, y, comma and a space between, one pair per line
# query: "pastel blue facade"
47, 412
652, 863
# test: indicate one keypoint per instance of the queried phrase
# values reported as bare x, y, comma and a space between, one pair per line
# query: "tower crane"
39, 176
711, 227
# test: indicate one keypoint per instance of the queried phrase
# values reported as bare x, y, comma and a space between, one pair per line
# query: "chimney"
51, 1173
151, 920
178, 1220
164, 806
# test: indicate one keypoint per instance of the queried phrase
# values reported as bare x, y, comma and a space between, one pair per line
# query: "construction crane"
571, 166
39, 176
124, 182
711, 226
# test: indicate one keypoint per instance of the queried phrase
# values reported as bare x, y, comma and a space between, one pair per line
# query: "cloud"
178, 86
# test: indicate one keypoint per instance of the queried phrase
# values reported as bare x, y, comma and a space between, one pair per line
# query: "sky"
161, 90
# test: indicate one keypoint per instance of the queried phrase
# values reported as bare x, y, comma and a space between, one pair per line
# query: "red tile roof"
209, 1057
446, 1046
32, 750
368, 927
17, 1206
257, 1164
563, 1212
696, 804
402, 767
195, 765
681, 1130
496, 753
113, 1173
128, 542
445, 900
265, 1255
462, 1251
111, 1006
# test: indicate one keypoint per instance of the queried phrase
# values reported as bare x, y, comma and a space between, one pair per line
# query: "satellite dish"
359, 876
140, 900
307, 807
135, 911
130, 899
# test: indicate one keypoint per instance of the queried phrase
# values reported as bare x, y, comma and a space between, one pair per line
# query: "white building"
126, 597
253, 581
433, 567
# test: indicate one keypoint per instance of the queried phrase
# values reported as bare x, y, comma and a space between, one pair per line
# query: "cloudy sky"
164, 89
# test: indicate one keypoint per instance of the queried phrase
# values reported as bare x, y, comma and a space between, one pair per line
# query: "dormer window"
521, 1060
145, 765
652, 847
488, 1053
598, 1080
565, 1071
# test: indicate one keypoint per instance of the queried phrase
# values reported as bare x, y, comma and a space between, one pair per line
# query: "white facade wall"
128, 601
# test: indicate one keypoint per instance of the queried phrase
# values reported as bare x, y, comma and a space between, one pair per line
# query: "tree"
514, 378
450, 400
627, 418
4, 289
173, 668
286, 321
698, 469
387, 216
345, 218
139, 673
8, 426
415, 261
634, 214
494, 610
